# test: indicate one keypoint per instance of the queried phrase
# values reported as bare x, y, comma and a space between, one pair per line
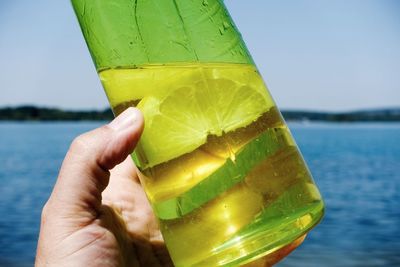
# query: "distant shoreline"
34, 113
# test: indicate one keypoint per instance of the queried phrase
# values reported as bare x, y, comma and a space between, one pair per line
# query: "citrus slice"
215, 101
168, 132
135, 83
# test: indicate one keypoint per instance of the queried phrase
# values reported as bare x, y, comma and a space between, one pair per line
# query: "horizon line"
288, 109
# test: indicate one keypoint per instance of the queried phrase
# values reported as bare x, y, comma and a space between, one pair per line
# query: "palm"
128, 215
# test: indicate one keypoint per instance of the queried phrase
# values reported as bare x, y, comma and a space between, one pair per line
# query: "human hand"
92, 219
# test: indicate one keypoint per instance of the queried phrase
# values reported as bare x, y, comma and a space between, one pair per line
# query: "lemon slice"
214, 102
124, 84
166, 136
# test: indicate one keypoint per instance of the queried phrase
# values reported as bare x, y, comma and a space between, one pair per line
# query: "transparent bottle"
219, 165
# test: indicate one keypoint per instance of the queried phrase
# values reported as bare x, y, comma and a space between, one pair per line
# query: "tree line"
33, 113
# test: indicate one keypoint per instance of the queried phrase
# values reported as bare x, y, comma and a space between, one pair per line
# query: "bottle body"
219, 165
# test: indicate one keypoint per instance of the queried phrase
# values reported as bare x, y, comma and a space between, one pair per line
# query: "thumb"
85, 171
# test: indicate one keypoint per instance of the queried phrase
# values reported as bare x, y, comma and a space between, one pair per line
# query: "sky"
316, 55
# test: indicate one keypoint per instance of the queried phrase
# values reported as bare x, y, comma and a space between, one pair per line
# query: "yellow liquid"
231, 190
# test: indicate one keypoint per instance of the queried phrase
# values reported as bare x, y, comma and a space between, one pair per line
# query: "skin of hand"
98, 213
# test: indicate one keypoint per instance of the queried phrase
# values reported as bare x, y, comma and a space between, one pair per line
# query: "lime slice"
214, 101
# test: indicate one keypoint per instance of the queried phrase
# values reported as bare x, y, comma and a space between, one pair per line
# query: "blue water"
356, 167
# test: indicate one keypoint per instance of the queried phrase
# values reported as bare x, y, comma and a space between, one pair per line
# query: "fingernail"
124, 120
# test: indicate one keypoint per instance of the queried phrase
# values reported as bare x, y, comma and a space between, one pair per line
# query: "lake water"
356, 167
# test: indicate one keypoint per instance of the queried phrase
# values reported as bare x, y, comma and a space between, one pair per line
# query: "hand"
91, 219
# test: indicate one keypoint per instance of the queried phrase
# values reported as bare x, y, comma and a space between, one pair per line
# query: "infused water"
219, 165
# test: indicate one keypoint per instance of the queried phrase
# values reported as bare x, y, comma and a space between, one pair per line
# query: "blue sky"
317, 55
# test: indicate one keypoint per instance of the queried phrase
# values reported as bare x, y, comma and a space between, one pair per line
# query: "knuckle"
79, 144
45, 212
87, 141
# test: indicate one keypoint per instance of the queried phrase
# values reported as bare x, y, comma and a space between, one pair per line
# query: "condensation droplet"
226, 25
